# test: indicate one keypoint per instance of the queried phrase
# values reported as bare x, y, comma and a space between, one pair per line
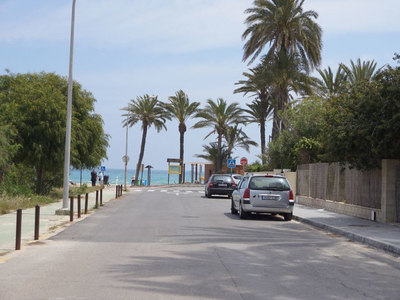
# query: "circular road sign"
125, 158
243, 161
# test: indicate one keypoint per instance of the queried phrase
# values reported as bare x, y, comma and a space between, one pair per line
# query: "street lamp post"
69, 114
126, 157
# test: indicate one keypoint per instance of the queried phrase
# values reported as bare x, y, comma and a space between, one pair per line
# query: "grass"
11, 203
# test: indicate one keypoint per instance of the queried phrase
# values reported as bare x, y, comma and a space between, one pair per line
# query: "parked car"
263, 194
219, 184
237, 178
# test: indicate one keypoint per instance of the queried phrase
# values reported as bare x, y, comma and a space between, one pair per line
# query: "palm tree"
258, 83
259, 114
219, 115
286, 28
236, 137
330, 85
211, 154
358, 72
149, 111
180, 108
288, 75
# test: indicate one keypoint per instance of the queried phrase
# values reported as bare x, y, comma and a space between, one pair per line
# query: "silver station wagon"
263, 194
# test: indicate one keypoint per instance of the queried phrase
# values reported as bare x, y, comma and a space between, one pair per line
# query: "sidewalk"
50, 223
384, 236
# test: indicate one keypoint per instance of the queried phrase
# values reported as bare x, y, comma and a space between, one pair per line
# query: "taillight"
211, 184
246, 193
233, 183
291, 195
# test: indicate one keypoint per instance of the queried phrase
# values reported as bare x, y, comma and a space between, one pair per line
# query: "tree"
212, 155
219, 115
182, 110
284, 26
150, 112
364, 124
330, 85
359, 71
236, 137
259, 114
34, 104
258, 84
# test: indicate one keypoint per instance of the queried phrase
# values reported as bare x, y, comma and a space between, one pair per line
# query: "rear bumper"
262, 209
220, 191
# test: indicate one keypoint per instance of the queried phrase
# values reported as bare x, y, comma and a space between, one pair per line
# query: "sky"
127, 48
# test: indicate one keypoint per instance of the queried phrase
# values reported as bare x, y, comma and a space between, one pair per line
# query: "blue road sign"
103, 168
231, 163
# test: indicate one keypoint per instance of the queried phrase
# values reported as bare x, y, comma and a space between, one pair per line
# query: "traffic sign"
243, 161
231, 163
103, 168
125, 159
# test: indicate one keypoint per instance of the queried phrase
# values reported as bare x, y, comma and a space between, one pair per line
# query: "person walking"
101, 178
93, 177
133, 180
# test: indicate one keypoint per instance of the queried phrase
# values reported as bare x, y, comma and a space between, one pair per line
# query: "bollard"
79, 206
97, 198
101, 197
86, 203
71, 209
18, 234
121, 189
37, 219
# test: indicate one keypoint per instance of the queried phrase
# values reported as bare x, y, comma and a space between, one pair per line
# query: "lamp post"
69, 114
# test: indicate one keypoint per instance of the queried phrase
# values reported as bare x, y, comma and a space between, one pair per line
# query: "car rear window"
222, 178
269, 183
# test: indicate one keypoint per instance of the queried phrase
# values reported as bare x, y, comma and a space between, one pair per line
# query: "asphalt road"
177, 244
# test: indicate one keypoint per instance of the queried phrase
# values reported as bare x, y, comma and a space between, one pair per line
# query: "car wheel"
208, 195
233, 209
288, 217
242, 213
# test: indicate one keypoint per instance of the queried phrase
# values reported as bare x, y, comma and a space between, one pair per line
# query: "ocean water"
116, 176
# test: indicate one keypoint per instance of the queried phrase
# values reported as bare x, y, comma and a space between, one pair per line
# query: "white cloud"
356, 16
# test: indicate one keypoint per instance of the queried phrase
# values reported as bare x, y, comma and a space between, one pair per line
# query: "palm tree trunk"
219, 150
182, 130
262, 137
141, 154
275, 126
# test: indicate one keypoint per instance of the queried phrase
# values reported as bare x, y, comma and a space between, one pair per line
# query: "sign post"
231, 164
243, 162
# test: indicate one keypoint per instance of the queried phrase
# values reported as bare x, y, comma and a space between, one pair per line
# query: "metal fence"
337, 183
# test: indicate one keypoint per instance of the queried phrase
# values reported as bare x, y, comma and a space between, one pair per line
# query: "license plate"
222, 184
269, 198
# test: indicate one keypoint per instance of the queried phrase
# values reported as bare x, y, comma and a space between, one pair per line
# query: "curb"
352, 236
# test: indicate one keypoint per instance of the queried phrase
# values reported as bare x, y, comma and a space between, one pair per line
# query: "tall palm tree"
150, 112
180, 108
259, 85
219, 115
259, 114
236, 137
331, 85
284, 26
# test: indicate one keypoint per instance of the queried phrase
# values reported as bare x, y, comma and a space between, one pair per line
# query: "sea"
117, 176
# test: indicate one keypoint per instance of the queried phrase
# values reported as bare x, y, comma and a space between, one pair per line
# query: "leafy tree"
364, 124
284, 26
180, 108
219, 115
150, 112
34, 104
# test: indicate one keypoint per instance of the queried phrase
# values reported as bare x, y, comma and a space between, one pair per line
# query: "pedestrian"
133, 180
93, 177
101, 178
